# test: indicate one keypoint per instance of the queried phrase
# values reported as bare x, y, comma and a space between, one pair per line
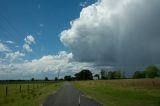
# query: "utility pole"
58, 73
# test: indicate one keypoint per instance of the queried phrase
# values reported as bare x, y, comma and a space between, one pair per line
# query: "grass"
144, 92
30, 95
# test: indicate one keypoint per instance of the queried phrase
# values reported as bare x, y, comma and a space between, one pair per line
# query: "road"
68, 95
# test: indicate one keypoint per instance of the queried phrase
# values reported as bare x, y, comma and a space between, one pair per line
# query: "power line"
15, 37
5, 28
11, 25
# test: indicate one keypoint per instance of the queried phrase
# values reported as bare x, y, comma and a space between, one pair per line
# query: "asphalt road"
69, 96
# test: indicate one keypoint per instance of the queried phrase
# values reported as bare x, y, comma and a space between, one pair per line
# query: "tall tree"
103, 74
110, 75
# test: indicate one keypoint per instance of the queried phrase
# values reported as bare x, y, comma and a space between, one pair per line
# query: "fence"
16, 88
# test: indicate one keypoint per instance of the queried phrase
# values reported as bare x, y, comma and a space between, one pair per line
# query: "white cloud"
1, 60
10, 42
15, 55
29, 39
83, 4
47, 64
27, 48
116, 32
4, 48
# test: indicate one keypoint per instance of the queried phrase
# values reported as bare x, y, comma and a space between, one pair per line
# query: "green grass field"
29, 95
145, 92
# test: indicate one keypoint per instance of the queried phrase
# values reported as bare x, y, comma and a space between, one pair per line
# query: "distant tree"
68, 78
32, 79
56, 79
139, 74
151, 72
61, 79
97, 75
159, 73
123, 75
103, 74
116, 75
142, 74
110, 75
73, 78
46, 79
84, 75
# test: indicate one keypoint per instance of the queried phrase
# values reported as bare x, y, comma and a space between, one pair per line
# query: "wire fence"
17, 88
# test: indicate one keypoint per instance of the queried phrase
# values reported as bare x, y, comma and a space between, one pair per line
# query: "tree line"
117, 74
82, 75
149, 72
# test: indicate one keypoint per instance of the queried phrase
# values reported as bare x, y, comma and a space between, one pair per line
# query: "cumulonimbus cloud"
116, 32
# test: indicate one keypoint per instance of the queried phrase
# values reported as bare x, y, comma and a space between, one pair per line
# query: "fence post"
20, 89
28, 87
6, 90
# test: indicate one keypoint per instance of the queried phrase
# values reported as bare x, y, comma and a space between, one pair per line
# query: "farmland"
143, 92
26, 93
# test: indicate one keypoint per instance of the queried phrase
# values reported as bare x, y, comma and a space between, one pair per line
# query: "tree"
32, 79
56, 79
151, 72
110, 75
139, 74
46, 79
68, 78
96, 75
84, 75
159, 73
103, 74
116, 75
123, 75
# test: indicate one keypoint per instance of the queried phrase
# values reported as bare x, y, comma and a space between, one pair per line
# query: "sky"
38, 38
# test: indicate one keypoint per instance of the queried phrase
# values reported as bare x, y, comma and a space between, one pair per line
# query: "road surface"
69, 96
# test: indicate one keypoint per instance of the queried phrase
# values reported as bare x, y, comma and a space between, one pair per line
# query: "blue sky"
30, 37
43, 19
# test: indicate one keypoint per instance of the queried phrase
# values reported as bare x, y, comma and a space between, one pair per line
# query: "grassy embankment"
144, 92
30, 94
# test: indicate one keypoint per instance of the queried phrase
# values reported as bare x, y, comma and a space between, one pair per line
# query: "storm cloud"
116, 32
